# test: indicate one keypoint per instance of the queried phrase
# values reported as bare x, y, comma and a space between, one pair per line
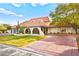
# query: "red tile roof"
33, 23
42, 21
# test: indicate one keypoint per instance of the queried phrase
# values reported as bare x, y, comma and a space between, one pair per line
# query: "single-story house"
13, 30
41, 26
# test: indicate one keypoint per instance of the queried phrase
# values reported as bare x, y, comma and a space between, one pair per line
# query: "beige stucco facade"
31, 30
52, 30
61, 30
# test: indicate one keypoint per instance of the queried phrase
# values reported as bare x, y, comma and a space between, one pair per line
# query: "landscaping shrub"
21, 30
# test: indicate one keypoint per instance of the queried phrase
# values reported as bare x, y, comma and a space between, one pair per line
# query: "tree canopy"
7, 26
67, 14
4, 27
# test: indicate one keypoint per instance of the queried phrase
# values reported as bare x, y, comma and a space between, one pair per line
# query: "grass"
19, 41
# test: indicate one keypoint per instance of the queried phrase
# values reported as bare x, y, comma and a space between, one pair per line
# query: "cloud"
17, 4
7, 12
20, 4
43, 4
35, 4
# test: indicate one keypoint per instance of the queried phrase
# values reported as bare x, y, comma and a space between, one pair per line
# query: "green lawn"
19, 41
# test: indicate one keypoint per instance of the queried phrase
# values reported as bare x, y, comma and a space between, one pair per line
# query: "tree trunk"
3, 31
76, 31
75, 28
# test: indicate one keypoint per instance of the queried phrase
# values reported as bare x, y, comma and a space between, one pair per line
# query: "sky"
10, 13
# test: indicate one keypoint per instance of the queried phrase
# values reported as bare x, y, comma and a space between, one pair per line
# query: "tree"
68, 14
7, 26
2, 28
18, 26
21, 29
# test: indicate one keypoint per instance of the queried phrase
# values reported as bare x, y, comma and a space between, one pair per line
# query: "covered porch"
35, 30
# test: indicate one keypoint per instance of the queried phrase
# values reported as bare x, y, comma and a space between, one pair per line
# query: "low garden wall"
5, 34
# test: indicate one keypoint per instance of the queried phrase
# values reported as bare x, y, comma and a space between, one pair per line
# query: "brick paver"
56, 45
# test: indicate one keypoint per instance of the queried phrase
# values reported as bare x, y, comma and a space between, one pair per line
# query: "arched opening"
35, 31
27, 31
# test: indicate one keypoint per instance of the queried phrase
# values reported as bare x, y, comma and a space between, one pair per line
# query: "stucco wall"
13, 31
58, 30
31, 28
9, 31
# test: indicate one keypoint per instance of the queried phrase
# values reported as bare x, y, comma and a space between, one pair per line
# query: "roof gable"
40, 19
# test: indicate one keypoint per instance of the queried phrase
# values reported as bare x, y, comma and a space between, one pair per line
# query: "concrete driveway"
6, 50
56, 46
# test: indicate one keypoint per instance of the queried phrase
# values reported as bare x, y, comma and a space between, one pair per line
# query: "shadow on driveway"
62, 40
71, 52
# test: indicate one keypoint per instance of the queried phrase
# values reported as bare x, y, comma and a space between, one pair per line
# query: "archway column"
31, 29
28, 31
40, 31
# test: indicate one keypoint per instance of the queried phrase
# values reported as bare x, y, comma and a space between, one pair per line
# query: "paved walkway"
6, 50
56, 46
5, 34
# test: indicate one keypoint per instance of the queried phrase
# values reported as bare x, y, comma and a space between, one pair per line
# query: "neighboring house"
41, 26
13, 30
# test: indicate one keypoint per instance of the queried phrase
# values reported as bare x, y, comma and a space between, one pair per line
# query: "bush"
21, 30
2, 28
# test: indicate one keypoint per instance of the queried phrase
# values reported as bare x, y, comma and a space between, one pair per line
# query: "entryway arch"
35, 31
27, 31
